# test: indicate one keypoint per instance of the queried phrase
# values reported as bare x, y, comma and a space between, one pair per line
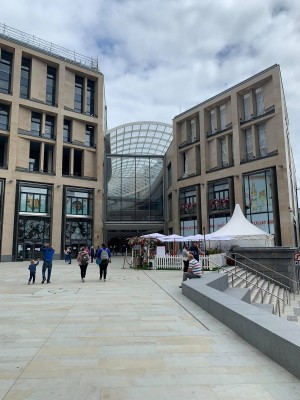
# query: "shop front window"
258, 197
35, 200
79, 203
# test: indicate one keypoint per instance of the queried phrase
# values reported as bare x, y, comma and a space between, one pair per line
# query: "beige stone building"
234, 148
52, 122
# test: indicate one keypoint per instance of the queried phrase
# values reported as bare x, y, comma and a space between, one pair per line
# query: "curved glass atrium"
134, 171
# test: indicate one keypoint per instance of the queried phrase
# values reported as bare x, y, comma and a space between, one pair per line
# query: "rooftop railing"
46, 47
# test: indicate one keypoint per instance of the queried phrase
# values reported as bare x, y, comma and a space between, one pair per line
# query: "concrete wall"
279, 339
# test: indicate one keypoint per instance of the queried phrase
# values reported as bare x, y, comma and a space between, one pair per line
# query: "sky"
162, 57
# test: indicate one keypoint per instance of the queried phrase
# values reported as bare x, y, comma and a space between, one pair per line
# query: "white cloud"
160, 58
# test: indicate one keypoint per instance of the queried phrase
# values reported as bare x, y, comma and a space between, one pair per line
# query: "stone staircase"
263, 291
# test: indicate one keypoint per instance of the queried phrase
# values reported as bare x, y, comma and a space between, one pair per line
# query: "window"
5, 71
89, 136
185, 164
25, 78
222, 117
218, 196
36, 124
34, 156
170, 208
187, 201
35, 200
3, 154
78, 100
67, 131
262, 140
79, 203
213, 125
90, 98
51, 85
192, 131
258, 197
169, 175
49, 127
223, 152
249, 144
4, 117
77, 165
259, 98
247, 109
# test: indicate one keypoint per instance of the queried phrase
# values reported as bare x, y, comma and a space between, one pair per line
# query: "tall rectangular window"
90, 97
51, 85
192, 129
4, 117
36, 123
262, 140
67, 131
25, 78
89, 136
259, 98
5, 71
222, 117
213, 125
169, 175
223, 152
49, 127
78, 100
246, 105
249, 144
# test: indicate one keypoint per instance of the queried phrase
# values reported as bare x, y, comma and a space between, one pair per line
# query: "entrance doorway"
30, 250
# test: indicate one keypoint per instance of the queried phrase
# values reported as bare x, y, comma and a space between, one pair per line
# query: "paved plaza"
133, 337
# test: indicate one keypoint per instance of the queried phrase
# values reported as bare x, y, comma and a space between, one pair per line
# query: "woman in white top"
185, 253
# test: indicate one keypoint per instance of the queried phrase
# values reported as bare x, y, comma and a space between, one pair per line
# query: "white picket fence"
168, 262
176, 262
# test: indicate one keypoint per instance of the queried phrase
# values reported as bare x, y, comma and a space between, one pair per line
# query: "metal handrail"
260, 288
34, 42
267, 268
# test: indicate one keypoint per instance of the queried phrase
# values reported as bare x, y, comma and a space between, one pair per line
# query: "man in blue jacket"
48, 253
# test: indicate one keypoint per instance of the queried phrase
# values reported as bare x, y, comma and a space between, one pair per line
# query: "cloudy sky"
162, 57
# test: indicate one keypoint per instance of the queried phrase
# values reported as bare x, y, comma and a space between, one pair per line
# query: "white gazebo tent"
242, 232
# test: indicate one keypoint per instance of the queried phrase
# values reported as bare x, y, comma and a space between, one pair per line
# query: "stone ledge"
276, 337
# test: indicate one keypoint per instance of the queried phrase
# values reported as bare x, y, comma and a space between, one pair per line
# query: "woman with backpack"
83, 261
103, 257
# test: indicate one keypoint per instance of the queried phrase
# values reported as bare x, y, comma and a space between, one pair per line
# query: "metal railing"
292, 282
50, 48
285, 299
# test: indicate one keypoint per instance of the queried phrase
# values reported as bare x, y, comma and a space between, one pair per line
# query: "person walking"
32, 270
83, 261
194, 271
92, 253
185, 259
194, 249
48, 253
103, 259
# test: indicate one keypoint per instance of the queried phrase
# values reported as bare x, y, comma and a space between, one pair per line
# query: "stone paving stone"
133, 337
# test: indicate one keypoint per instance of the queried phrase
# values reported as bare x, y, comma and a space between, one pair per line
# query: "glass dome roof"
141, 138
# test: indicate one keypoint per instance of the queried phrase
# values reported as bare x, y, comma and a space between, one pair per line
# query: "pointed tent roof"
239, 227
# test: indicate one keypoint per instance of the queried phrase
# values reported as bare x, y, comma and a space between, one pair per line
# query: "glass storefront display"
188, 227
34, 220
258, 197
78, 217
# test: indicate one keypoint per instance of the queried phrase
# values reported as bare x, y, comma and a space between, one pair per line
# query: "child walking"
32, 270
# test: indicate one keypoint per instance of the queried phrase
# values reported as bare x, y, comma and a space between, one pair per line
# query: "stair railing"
259, 287
293, 282
259, 275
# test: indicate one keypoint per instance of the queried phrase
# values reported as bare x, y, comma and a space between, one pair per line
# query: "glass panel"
222, 117
249, 144
246, 104
260, 106
262, 140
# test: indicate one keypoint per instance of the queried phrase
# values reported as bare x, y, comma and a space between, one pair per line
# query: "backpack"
84, 259
104, 256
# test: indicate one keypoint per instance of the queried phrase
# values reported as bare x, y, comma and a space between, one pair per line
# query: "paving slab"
132, 337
